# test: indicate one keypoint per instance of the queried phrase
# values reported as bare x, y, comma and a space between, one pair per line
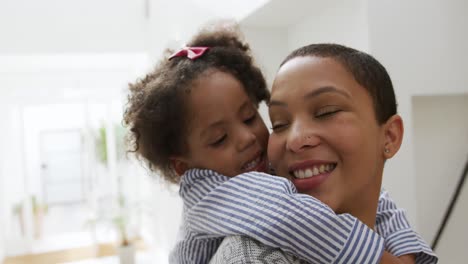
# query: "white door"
61, 156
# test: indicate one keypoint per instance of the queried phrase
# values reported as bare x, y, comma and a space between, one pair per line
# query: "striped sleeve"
400, 239
389, 218
268, 209
194, 250
407, 241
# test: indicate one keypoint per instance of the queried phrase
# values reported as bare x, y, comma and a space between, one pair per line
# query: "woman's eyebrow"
326, 89
314, 93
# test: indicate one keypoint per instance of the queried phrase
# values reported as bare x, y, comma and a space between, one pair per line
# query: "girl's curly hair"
156, 111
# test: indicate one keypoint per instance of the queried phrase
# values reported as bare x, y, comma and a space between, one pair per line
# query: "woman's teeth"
313, 171
253, 164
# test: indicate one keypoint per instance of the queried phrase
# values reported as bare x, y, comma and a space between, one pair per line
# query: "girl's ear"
393, 136
179, 165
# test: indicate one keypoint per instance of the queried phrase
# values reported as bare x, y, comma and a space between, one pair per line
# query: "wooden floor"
69, 255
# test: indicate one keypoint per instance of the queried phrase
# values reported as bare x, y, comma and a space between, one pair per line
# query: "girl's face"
325, 135
226, 134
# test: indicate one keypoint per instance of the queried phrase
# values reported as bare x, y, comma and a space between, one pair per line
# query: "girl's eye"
250, 119
219, 141
327, 111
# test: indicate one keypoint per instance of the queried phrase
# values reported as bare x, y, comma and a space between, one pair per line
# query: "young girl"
194, 119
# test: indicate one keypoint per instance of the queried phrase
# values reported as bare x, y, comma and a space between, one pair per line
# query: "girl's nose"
302, 138
246, 138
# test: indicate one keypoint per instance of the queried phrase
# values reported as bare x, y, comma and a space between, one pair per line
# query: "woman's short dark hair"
367, 71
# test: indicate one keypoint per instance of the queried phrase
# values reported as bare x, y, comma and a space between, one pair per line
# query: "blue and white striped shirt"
269, 209
400, 239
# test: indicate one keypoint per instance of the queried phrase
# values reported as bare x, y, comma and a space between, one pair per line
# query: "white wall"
2, 215
167, 206
269, 48
172, 23
452, 245
2, 234
422, 45
2, 245
2, 189
12, 172
441, 149
343, 22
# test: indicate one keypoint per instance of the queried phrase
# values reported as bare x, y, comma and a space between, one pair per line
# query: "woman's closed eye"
278, 126
327, 111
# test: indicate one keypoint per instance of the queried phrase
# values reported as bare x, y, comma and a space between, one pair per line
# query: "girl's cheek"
274, 150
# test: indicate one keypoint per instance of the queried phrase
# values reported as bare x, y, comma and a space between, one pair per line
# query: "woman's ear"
393, 136
179, 165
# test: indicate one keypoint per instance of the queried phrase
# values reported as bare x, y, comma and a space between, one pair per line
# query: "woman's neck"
365, 204
364, 207
366, 214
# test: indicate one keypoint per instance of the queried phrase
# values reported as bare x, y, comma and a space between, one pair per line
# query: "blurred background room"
69, 193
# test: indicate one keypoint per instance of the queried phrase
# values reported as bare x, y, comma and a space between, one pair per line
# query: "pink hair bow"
191, 52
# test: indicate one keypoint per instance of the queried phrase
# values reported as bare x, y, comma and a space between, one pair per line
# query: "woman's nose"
301, 138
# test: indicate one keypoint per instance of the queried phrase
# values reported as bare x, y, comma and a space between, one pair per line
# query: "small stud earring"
386, 150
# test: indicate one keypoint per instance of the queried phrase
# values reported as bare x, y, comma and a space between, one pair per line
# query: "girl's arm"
268, 209
388, 258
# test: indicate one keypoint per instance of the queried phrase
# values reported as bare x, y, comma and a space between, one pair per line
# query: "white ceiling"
282, 13
105, 26
57, 26
237, 9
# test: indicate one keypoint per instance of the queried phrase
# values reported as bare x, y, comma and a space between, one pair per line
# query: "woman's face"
226, 134
325, 135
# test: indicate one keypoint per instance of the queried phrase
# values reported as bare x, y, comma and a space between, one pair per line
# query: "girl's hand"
388, 258
408, 259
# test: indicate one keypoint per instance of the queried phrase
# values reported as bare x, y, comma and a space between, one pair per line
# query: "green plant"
122, 219
101, 143
118, 218
17, 211
39, 210
120, 223
38, 207
17, 208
